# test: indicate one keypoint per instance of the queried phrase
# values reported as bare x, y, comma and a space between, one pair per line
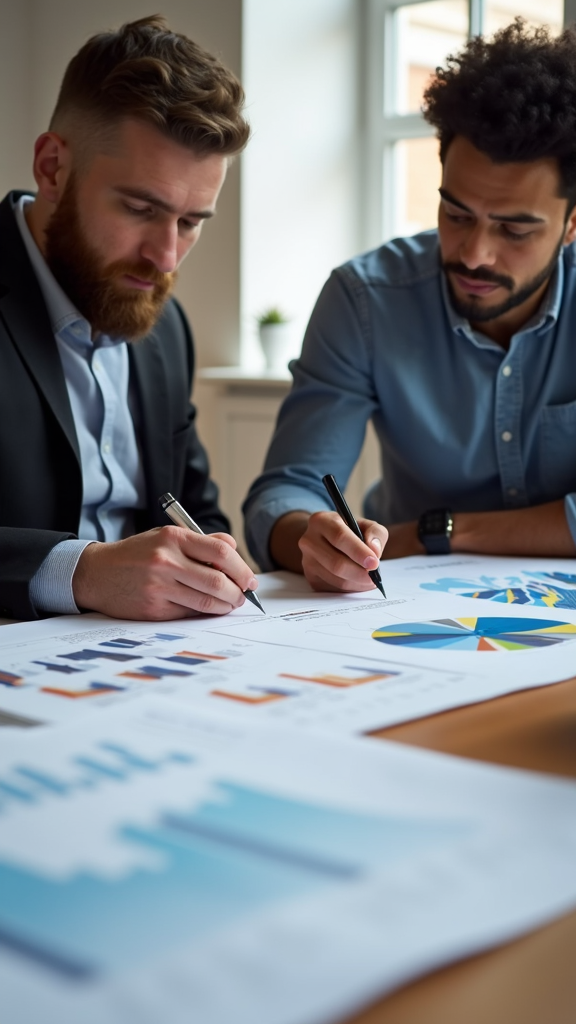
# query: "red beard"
93, 286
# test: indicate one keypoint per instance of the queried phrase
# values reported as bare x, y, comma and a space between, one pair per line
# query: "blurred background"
340, 157
340, 160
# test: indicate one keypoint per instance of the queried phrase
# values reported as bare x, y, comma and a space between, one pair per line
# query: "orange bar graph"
198, 654
9, 679
75, 694
340, 681
263, 698
142, 676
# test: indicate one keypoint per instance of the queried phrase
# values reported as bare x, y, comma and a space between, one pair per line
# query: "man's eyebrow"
148, 197
514, 218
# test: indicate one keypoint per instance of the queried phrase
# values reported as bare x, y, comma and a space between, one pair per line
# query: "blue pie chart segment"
486, 633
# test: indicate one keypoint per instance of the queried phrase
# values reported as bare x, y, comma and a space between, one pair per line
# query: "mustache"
480, 274
143, 270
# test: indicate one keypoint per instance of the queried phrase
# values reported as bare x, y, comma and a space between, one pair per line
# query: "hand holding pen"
331, 554
180, 517
343, 510
164, 573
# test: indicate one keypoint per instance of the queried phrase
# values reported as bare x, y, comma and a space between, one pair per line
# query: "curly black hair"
513, 97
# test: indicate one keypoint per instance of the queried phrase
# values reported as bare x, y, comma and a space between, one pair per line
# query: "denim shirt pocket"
557, 449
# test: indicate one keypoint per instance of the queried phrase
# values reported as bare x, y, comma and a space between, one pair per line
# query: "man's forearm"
284, 538
540, 531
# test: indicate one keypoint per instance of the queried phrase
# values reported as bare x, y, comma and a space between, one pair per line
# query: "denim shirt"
460, 421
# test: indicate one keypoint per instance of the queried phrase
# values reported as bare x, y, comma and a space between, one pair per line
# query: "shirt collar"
546, 314
65, 319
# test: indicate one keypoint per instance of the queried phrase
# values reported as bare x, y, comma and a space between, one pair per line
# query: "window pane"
417, 174
500, 13
424, 34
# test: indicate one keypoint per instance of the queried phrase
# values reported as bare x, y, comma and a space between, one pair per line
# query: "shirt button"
106, 447
512, 492
506, 436
506, 371
96, 364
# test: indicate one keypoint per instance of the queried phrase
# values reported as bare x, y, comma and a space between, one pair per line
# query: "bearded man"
96, 359
459, 344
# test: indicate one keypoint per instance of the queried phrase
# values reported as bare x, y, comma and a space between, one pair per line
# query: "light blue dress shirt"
97, 380
461, 422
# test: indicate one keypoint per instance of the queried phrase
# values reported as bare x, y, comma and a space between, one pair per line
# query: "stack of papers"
453, 631
160, 864
196, 832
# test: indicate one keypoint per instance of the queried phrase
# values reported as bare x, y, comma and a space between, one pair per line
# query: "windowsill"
241, 375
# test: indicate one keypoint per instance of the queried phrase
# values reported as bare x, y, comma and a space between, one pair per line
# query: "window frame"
381, 128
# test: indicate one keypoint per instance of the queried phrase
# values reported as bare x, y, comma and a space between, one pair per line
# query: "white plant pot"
276, 342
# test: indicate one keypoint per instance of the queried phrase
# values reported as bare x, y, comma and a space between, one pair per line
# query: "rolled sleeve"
51, 585
322, 422
268, 503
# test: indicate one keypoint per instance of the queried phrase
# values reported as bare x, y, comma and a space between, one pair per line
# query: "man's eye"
188, 225
136, 211
457, 218
514, 236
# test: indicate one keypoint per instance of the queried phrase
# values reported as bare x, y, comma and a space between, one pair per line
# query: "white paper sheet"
338, 663
156, 862
538, 582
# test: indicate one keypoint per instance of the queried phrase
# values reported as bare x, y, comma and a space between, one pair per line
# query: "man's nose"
161, 248
477, 249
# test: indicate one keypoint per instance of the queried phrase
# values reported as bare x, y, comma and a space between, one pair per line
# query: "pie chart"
477, 634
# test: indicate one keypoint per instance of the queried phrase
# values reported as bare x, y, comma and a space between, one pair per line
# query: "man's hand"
333, 558
166, 573
326, 551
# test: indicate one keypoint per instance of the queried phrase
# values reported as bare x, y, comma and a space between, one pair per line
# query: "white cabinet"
236, 416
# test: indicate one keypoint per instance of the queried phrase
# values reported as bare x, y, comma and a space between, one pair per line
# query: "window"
403, 44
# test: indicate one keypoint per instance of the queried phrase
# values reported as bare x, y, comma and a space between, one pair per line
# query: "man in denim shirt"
459, 344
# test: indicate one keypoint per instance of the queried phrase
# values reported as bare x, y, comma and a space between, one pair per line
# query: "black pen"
180, 517
343, 510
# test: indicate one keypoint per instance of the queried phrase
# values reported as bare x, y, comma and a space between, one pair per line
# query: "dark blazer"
40, 472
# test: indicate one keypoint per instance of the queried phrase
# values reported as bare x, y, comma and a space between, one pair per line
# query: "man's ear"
52, 162
570, 231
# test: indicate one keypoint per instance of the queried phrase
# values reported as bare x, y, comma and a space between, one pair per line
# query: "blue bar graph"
88, 655
85, 773
232, 853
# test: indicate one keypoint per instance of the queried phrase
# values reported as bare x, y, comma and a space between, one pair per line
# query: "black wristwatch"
435, 530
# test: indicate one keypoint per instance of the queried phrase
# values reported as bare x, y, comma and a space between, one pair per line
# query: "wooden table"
532, 980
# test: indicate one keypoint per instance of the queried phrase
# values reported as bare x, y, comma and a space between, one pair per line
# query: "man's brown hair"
144, 71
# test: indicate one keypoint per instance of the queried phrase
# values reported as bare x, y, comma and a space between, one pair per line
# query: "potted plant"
275, 333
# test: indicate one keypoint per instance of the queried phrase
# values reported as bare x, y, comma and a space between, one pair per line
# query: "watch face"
438, 521
435, 529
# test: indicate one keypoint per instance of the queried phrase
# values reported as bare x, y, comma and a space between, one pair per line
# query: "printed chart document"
452, 632
159, 864
520, 582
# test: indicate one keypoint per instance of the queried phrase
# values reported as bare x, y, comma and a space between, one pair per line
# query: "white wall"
37, 39
299, 195
15, 95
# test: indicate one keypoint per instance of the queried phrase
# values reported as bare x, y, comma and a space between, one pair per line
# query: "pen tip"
251, 596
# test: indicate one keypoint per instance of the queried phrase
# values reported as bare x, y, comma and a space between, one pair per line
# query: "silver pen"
180, 517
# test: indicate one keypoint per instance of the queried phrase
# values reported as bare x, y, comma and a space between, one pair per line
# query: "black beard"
471, 309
